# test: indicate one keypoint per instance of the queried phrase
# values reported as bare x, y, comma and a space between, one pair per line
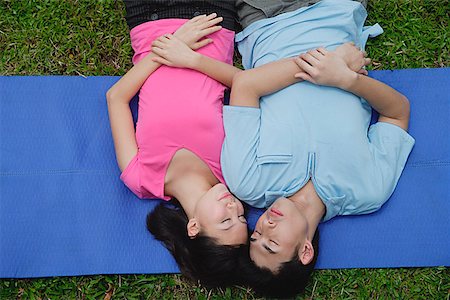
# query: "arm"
175, 53
120, 94
247, 86
118, 99
251, 85
325, 68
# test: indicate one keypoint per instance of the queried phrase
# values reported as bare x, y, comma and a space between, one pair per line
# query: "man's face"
279, 232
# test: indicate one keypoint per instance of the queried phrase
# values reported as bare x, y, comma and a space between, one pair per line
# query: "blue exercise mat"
64, 211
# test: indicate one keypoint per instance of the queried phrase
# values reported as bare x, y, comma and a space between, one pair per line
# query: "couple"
295, 139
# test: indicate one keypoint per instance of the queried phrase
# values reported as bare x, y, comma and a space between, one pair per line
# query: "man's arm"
325, 68
251, 85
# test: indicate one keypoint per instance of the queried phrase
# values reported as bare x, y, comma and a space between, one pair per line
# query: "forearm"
388, 102
249, 86
217, 70
128, 86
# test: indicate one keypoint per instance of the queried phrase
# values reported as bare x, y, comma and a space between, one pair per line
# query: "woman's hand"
325, 68
193, 31
173, 52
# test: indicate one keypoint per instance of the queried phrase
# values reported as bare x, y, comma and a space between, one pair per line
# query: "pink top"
178, 108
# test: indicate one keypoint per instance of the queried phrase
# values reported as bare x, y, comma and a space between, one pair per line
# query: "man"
306, 151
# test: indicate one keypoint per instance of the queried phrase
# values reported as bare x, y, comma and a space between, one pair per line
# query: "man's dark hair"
291, 278
199, 259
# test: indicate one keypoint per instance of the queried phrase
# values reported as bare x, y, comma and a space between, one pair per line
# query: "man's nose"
270, 223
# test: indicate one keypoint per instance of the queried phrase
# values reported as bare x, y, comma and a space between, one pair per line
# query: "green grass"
90, 37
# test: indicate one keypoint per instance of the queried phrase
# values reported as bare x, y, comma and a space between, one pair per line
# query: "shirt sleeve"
390, 147
238, 160
131, 176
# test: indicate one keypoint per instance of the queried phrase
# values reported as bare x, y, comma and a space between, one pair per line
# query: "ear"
306, 253
193, 228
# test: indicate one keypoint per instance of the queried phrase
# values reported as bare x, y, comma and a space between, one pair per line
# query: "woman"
175, 150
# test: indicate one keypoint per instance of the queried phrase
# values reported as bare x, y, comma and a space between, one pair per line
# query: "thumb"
201, 44
162, 61
303, 76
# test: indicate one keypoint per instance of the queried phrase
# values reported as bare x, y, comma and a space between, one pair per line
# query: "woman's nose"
231, 203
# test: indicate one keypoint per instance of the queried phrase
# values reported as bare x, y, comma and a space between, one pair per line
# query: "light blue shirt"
307, 131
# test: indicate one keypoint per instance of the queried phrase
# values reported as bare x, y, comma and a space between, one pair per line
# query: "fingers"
158, 43
322, 50
210, 16
315, 54
162, 61
312, 57
158, 51
304, 76
210, 30
162, 40
367, 61
363, 72
197, 18
305, 66
201, 44
213, 22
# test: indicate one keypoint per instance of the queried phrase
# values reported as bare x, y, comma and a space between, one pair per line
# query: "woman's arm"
325, 68
118, 99
173, 52
120, 94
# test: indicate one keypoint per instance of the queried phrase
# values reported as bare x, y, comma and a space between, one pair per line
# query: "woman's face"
221, 216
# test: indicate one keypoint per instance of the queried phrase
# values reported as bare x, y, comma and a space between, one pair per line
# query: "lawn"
90, 37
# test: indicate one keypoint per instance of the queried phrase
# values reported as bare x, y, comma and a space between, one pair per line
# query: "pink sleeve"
131, 176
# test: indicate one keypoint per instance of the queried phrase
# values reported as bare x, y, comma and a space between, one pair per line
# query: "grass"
87, 37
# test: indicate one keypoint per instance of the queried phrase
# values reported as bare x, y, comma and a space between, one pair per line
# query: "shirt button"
197, 13
154, 17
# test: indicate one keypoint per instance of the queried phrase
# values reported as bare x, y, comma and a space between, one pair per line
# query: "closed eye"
226, 220
242, 219
268, 249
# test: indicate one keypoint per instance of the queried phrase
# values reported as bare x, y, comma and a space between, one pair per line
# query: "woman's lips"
224, 196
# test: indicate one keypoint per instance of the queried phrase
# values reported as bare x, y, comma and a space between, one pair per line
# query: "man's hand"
193, 31
173, 52
325, 68
354, 58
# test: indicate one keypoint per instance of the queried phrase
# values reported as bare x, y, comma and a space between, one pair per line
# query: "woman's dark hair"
290, 279
199, 259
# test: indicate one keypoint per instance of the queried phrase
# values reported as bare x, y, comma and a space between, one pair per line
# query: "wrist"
196, 61
349, 81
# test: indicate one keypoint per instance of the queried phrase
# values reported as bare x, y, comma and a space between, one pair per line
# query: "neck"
188, 190
312, 207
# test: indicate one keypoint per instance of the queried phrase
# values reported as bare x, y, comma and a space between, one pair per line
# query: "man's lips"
276, 212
